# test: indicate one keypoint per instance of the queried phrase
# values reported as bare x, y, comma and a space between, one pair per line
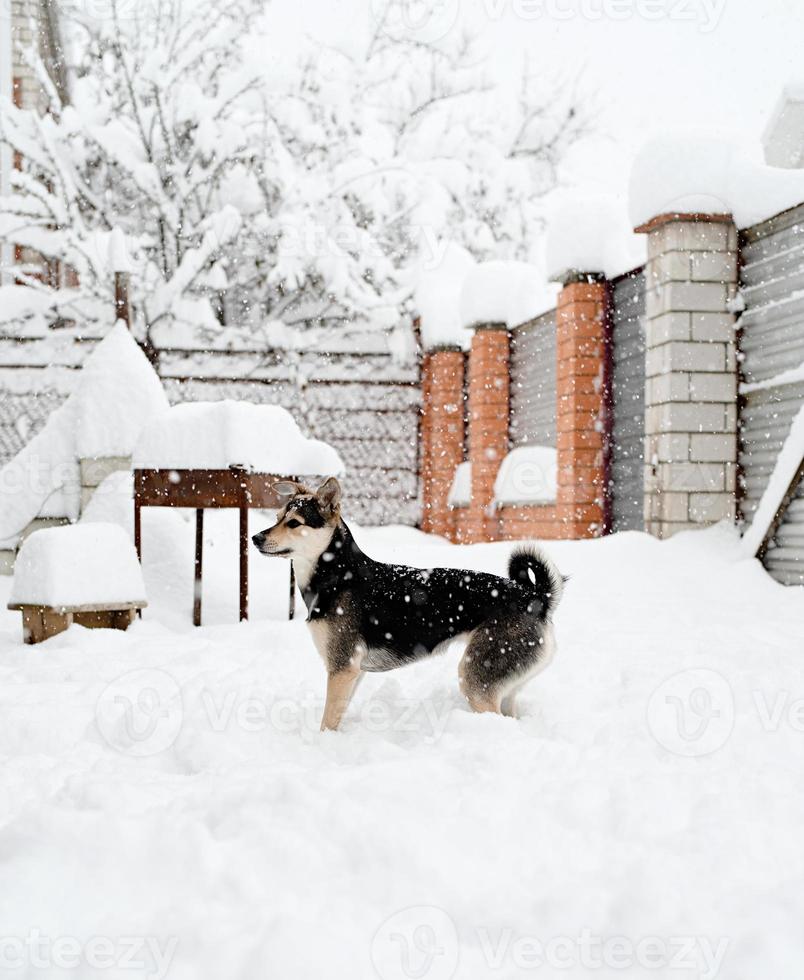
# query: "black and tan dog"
365, 615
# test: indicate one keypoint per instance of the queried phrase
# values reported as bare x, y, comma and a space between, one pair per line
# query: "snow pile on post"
782, 138
119, 259
692, 172
527, 475
591, 235
117, 392
217, 435
460, 493
787, 463
504, 292
81, 565
437, 300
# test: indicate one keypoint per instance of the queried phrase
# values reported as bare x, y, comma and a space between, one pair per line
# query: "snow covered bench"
84, 573
224, 454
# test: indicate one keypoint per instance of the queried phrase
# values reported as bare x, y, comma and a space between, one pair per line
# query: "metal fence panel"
772, 343
533, 382
627, 449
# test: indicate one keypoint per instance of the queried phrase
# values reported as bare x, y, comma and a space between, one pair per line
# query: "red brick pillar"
489, 383
581, 323
442, 435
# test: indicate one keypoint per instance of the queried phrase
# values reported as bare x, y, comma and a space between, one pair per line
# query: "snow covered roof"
116, 393
694, 172
217, 435
592, 234
78, 565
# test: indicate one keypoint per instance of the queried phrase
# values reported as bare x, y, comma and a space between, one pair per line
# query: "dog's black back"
403, 613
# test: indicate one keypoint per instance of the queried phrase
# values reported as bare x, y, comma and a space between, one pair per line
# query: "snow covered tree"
387, 150
161, 113
257, 187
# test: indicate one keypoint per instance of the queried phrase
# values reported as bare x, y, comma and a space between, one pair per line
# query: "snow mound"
42, 480
693, 172
527, 475
592, 234
217, 435
437, 300
81, 565
154, 774
116, 393
505, 292
460, 493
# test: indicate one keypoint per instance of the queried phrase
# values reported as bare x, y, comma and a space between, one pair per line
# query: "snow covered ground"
167, 800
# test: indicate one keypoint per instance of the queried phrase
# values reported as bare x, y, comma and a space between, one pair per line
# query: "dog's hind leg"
500, 656
481, 696
508, 703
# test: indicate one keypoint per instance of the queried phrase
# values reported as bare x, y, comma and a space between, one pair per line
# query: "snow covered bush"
259, 182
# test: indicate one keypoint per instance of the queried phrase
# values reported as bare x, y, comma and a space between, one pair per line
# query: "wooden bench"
41, 622
235, 487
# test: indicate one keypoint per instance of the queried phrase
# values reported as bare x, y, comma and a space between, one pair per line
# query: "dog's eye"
293, 523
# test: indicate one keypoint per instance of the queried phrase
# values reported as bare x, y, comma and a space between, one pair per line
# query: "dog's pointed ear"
329, 494
286, 488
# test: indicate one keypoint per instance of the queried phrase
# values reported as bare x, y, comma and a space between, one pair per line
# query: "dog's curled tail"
533, 568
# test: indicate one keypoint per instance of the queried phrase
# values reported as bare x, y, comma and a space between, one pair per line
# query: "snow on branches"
257, 182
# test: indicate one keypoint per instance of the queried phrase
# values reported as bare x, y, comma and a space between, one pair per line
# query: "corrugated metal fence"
627, 380
772, 343
533, 382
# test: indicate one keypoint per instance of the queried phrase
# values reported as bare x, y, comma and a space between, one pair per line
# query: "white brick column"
690, 372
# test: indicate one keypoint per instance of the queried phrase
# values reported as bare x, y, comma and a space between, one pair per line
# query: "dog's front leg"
340, 688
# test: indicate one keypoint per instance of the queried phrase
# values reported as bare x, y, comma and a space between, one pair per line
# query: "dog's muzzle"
260, 542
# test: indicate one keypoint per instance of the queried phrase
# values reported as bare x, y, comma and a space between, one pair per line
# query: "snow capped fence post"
489, 383
581, 403
691, 371
442, 434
